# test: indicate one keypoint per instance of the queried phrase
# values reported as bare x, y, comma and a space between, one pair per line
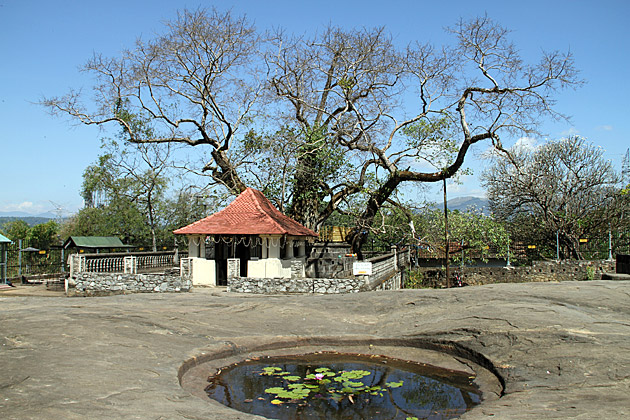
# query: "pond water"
343, 386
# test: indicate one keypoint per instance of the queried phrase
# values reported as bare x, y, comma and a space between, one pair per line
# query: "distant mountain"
21, 214
465, 203
29, 219
14, 214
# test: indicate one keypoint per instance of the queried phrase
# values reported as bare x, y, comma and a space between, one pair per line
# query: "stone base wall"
540, 271
303, 285
102, 284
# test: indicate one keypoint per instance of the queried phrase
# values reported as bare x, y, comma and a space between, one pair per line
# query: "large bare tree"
350, 85
344, 97
198, 84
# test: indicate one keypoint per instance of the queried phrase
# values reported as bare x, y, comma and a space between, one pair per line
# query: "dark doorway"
221, 254
244, 254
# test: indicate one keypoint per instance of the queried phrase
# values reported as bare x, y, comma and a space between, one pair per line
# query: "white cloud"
605, 127
25, 206
527, 143
570, 132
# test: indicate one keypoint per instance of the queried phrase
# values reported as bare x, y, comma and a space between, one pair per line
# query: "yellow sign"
583, 241
531, 246
42, 252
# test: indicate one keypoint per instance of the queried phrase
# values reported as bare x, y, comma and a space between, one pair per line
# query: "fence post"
130, 265
557, 246
610, 246
393, 249
20, 258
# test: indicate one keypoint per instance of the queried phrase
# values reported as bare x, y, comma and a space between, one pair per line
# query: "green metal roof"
4, 239
94, 242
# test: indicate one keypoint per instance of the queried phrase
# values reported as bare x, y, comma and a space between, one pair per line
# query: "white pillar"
202, 247
302, 249
193, 246
264, 248
274, 247
289, 246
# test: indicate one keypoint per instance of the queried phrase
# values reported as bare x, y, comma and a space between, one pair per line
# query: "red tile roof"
251, 213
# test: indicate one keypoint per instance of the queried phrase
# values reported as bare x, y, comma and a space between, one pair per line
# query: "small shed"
94, 244
4, 243
251, 230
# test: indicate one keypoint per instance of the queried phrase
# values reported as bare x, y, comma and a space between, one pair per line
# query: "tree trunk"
358, 236
307, 192
225, 172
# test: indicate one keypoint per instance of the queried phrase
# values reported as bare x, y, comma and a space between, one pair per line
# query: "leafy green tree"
44, 235
479, 234
16, 229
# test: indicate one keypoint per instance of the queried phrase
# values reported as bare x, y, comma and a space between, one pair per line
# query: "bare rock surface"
562, 350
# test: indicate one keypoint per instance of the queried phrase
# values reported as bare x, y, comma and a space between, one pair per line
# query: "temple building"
249, 238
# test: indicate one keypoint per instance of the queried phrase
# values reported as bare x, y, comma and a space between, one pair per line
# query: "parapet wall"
539, 271
100, 284
295, 285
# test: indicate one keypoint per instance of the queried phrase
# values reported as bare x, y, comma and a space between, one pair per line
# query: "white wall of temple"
204, 272
270, 265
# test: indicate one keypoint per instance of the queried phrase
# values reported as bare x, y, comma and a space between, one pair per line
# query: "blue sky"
43, 44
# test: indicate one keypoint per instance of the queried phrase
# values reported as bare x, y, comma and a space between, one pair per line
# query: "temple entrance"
226, 249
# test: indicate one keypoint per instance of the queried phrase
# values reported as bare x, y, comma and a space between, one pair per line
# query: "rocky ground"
561, 349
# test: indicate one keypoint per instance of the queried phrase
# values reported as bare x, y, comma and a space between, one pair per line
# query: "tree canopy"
565, 185
334, 110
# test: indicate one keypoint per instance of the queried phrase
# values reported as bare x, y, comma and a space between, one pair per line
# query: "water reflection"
427, 392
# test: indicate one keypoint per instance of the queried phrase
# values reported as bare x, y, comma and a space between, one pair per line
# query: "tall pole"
558, 245
610, 245
20, 258
508, 252
446, 241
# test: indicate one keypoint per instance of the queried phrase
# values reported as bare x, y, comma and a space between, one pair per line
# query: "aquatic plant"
322, 383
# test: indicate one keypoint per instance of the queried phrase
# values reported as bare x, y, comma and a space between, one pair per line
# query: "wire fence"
522, 252
26, 261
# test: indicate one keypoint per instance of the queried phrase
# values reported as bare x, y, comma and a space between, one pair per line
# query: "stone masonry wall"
540, 271
296, 285
99, 284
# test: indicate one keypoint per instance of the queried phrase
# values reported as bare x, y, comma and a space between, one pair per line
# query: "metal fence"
521, 252
25, 261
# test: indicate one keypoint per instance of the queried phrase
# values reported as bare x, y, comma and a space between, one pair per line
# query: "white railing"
115, 262
104, 265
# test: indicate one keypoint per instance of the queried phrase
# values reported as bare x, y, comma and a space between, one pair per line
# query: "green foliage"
433, 141
564, 186
44, 235
479, 233
325, 382
414, 279
16, 229
40, 236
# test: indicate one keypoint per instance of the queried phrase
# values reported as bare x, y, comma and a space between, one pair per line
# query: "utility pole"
625, 169
446, 240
